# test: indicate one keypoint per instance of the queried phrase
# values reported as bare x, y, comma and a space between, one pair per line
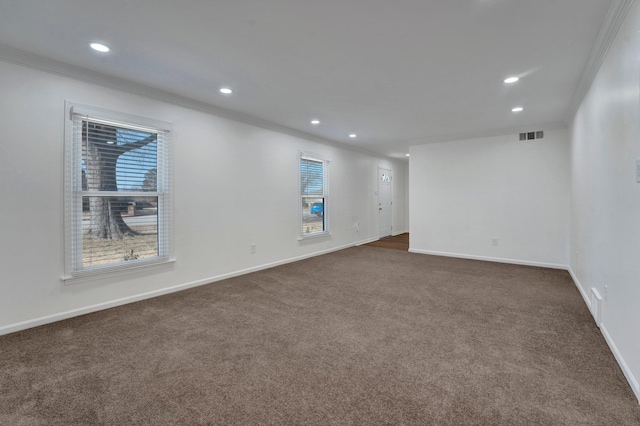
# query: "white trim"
615, 17
40, 63
395, 234
370, 240
621, 362
485, 133
23, 325
145, 124
326, 191
607, 337
74, 270
390, 184
583, 292
308, 155
116, 270
490, 259
307, 237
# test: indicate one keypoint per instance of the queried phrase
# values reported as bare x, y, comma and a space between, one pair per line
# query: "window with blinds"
314, 196
118, 192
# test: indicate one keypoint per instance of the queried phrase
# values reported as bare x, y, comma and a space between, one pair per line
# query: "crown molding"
51, 66
615, 17
559, 125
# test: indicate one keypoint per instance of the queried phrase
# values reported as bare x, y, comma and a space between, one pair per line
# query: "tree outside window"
119, 201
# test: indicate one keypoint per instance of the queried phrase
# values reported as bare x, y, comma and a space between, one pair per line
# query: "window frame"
73, 192
325, 196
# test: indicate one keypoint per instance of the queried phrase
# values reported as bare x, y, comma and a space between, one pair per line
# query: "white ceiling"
396, 72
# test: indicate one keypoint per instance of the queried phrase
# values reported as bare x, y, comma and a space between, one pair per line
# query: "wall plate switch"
638, 170
494, 241
252, 248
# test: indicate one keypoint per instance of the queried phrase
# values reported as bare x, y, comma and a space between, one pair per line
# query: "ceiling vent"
528, 136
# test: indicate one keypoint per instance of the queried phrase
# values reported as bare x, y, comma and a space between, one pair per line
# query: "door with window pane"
384, 202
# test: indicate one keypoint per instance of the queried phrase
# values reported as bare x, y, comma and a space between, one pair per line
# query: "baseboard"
48, 319
621, 362
490, 259
370, 240
581, 289
607, 337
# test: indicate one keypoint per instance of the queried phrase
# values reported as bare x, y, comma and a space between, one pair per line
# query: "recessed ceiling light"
511, 80
99, 47
226, 91
408, 155
517, 109
314, 122
353, 135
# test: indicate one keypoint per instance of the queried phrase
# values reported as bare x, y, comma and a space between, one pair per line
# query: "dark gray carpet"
363, 336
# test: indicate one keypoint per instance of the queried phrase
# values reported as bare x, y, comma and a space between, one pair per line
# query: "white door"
384, 202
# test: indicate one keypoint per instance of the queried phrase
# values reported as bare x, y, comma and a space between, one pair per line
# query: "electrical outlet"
494, 241
252, 248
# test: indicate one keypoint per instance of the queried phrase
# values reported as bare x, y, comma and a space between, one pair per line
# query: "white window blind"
118, 194
314, 185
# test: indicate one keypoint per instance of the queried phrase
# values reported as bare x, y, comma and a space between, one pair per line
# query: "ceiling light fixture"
408, 155
511, 80
99, 47
315, 122
517, 109
353, 135
226, 91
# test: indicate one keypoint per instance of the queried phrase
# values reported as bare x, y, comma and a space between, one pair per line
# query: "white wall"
463, 193
605, 201
235, 184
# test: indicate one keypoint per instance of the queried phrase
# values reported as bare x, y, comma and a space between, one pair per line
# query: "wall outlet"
252, 248
494, 241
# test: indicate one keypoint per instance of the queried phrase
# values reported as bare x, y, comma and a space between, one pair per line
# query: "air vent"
528, 136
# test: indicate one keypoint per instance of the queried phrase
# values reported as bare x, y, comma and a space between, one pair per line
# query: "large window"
117, 192
314, 191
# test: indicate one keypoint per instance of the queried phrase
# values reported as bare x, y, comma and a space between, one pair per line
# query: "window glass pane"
312, 215
118, 229
117, 193
311, 177
118, 159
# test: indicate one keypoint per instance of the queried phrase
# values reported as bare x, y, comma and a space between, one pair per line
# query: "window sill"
319, 235
116, 271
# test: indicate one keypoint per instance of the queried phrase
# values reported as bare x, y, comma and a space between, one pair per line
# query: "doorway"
384, 202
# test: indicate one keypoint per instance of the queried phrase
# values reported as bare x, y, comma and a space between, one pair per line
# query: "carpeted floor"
363, 336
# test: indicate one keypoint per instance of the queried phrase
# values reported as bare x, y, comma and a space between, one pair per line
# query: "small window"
117, 192
314, 191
